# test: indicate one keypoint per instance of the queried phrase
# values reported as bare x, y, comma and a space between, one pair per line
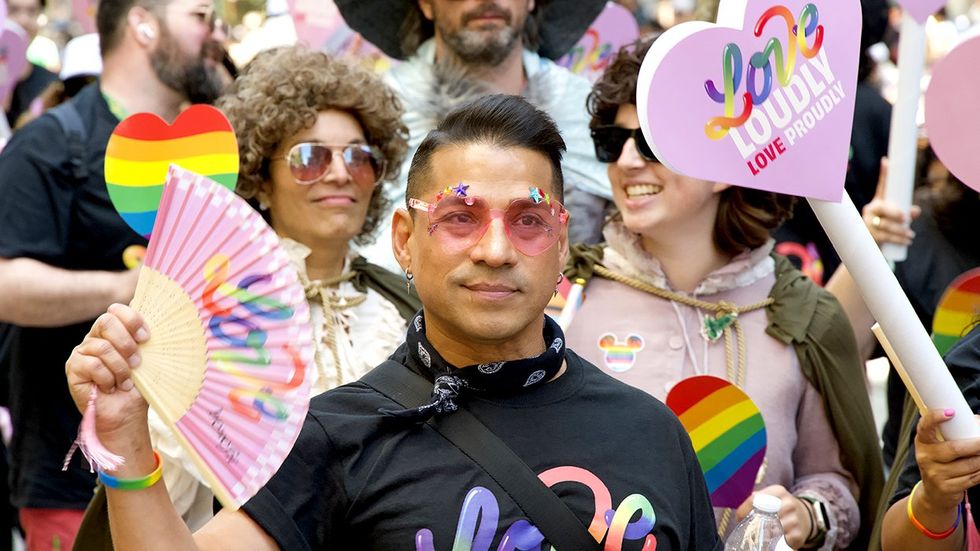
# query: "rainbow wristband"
925, 531
130, 484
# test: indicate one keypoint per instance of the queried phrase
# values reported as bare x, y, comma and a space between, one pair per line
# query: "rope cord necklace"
724, 323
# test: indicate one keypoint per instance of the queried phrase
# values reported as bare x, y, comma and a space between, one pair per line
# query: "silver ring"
876, 222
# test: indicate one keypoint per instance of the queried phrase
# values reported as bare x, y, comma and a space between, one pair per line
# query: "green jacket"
813, 322
94, 532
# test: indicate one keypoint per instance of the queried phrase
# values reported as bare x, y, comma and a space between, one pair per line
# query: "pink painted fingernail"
950, 412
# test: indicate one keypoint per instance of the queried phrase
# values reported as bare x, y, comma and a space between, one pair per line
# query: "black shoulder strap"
545, 509
71, 124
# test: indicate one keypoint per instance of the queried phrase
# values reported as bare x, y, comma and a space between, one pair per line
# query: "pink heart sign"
953, 113
920, 10
13, 56
614, 28
83, 11
763, 99
315, 20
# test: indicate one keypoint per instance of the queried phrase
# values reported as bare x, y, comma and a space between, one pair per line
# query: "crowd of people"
431, 214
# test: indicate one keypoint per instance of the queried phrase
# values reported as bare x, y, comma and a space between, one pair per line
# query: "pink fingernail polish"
950, 412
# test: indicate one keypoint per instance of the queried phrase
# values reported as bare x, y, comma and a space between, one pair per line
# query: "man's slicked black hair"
499, 120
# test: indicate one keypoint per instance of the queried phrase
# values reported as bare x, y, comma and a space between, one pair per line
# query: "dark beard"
478, 48
193, 79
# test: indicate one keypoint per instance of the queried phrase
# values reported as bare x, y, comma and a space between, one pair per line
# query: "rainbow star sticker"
460, 190
536, 195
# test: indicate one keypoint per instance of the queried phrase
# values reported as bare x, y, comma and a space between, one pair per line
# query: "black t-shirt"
47, 215
964, 364
933, 263
355, 480
28, 89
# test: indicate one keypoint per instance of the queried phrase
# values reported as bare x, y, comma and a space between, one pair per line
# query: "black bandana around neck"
492, 378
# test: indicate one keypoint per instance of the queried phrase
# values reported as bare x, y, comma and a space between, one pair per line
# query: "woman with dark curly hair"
318, 139
707, 296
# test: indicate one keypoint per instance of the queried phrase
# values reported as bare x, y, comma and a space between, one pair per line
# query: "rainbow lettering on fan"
255, 398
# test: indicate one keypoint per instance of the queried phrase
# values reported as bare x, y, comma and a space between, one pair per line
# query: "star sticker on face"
460, 190
535, 195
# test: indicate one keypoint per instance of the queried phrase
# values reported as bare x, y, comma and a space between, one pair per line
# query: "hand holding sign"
765, 94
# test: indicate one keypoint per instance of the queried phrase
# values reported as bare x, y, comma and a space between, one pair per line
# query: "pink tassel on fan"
99, 458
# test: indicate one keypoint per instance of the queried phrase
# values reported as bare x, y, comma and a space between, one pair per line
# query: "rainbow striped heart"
728, 434
957, 310
142, 148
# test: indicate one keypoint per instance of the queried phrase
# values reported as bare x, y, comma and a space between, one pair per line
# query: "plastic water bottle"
761, 530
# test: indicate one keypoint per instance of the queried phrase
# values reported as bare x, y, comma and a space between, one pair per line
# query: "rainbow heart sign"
142, 148
728, 434
920, 10
952, 111
763, 99
957, 310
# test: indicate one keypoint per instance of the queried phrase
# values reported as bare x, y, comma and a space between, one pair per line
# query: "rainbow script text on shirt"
480, 515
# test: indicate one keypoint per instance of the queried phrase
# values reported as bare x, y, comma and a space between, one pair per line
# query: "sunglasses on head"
609, 142
459, 221
309, 161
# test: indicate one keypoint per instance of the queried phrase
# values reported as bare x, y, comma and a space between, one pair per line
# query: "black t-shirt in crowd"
48, 215
618, 457
28, 89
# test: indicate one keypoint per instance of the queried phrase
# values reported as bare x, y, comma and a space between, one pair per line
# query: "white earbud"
146, 31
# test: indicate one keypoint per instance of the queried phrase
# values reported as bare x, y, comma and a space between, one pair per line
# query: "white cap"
766, 503
276, 7
81, 57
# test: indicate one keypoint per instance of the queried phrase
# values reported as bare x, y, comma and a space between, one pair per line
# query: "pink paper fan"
226, 364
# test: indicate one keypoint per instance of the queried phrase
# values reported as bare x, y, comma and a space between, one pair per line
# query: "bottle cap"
766, 503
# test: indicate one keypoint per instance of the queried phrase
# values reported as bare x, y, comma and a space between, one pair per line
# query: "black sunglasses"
609, 142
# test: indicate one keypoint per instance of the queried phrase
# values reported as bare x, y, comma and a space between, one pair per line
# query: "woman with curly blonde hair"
318, 139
